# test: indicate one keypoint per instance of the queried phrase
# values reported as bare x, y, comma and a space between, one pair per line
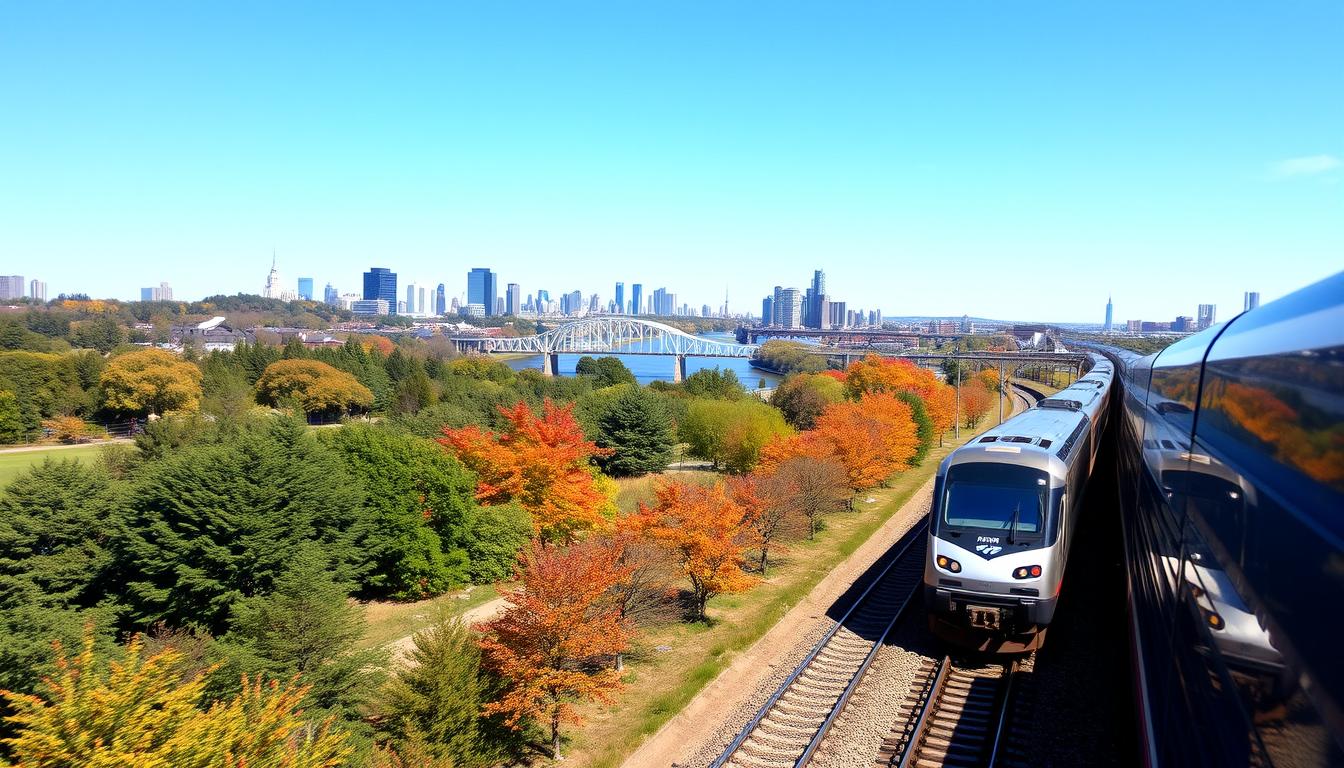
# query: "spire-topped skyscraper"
1109, 316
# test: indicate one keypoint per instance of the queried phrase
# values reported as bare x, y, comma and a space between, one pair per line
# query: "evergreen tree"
436, 699
606, 371
497, 534
923, 425
217, 523
307, 627
13, 426
639, 431
420, 502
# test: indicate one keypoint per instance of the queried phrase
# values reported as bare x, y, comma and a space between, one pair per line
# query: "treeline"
789, 357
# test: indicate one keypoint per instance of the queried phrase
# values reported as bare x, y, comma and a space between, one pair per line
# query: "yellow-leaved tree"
151, 381
138, 711
316, 386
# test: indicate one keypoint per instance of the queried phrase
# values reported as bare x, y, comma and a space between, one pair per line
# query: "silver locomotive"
1003, 516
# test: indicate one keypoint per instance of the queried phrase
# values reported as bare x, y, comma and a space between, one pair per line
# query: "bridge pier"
550, 363
678, 368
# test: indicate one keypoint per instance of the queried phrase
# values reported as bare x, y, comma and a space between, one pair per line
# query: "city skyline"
856, 137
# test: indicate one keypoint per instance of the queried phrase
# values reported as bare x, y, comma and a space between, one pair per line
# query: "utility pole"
1001, 393
956, 399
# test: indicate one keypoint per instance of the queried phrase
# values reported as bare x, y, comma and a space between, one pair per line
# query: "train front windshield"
995, 497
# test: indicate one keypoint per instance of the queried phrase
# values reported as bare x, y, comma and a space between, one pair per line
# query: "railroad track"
955, 715
789, 727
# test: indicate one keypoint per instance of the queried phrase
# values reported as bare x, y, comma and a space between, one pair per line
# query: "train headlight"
1027, 572
948, 564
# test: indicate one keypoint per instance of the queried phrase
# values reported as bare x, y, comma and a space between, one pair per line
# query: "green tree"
715, 383
803, 396
420, 505
13, 427
307, 627
923, 426
151, 381
218, 522
639, 431
437, 697
730, 434
100, 333
606, 371
414, 392
497, 534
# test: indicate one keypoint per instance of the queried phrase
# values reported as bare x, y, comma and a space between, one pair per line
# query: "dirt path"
687, 734
399, 650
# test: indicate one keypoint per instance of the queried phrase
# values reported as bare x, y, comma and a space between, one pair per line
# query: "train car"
1232, 498
1004, 515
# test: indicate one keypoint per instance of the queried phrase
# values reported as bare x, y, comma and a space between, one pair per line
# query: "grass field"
12, 463
391, 621
659, 684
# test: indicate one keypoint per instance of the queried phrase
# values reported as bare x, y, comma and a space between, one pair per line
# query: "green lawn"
12, 463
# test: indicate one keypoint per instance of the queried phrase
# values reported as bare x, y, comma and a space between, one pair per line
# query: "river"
649, 368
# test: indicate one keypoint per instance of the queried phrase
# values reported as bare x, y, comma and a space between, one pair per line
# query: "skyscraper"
767, 310
818, 295
11, 287
1250, 300
306, 288
543, 301
514, 303
1109, 316
381, 283
331, 296
440, 300
636, 299
411, 307
483, 289
161, 292
789, 307
37, 290
620, 298
1206, 314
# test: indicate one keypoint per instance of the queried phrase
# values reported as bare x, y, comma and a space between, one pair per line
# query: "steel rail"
916, 536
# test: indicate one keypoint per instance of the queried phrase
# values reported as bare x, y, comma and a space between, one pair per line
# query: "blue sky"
1002, 159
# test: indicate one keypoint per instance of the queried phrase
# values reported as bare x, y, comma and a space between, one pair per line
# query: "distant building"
620, 298
274, 289
788, 307
11, 287
331, 296
966, 325
482, 289
211, 336
37, 290
306, 288
636, 299
1134, 326
412, 308
347, 300
943, 327
1183, 324
816, 296
768, 310
837, 312
371, 307
1250, 300
1206, 316
594, 304
380, 283
440, 300
161, 292
472, 310
499, 305
1109, 315
1148, 326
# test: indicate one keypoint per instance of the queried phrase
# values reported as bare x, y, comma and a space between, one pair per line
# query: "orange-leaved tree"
707, 532
551, 644
975, 402
876, 374
139, 711
539, 461
873, 437
770, 511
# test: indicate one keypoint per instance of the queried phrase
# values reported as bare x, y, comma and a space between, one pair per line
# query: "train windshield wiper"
1012, 527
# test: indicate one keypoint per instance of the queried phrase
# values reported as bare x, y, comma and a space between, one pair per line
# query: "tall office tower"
636, 298
877, 318
11, 287
306, 288
789, 308
440, 300
37, 290
620, 298
331, 296
161, 292
411, 308
594, 304
818, 296
807, 307
273, 289
483, 289
824, 311
148, 294
779, 298
381, 283
767, 310
1250, 301
422, 301
514, 294
543, 301
165, 291
1206, 315
454, 306
839, 313
659, 301
499, 305
575, 302
1109, 316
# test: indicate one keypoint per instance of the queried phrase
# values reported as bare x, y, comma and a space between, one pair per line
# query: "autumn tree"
708, 533
151, 381
811, 488
802, 397
730, 434
975, 402
873, 437
539, 461
771, 512
138, 711
549, 644
874, 374
314, 385
642, 591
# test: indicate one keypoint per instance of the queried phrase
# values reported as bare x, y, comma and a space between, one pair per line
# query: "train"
1004, 512
1231, 451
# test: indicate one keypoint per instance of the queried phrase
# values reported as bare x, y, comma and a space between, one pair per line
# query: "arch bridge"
615, 335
